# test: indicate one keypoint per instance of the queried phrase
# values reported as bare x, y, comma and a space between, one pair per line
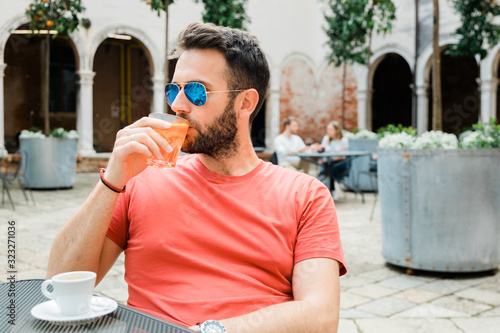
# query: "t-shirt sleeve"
118, 228
345, 143
318, 233
325, 143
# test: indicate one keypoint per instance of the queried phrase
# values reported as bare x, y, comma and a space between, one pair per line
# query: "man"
223, 235
289, 143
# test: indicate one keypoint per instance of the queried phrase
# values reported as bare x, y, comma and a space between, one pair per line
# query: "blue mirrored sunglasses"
195, 92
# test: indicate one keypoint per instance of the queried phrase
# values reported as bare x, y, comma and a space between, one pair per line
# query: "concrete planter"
50, 162
440, 208
362, 181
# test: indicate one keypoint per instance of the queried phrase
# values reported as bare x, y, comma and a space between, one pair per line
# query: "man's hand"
133, 145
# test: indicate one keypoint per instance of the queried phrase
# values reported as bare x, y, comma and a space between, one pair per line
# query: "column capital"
158, 80
86, 77
489, 85
422, 90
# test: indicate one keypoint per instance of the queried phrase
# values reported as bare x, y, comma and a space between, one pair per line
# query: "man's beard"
219, 137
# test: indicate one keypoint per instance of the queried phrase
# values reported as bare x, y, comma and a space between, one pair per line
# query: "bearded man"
223, 242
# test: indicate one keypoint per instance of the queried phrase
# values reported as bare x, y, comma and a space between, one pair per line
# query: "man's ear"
247, 100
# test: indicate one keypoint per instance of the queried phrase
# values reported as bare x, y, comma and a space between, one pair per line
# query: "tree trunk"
437, 114
45, 82
166, 71
414, 79
344, 77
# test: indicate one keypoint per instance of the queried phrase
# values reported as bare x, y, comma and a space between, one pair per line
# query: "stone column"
488, 90
362, 97
85, 113
158, 94
272, 118
422, 108
3, 151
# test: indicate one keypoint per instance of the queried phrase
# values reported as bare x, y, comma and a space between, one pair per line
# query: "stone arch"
17, 21
155, 58
391, 91
380, 55
424, 62
422, 79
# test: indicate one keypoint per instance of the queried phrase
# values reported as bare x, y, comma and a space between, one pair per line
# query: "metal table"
313, 157
27, 293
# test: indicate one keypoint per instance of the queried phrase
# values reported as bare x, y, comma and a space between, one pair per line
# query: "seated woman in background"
334, 141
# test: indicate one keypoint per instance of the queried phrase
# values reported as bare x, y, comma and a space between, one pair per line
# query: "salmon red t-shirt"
200, 245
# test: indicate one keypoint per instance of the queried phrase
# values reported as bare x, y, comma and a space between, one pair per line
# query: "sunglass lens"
196, 93
171, 92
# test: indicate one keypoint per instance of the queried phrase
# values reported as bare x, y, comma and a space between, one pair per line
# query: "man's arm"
315, 307
82, 243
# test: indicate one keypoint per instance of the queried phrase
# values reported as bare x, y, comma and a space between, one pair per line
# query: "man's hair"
248, 67
288, 121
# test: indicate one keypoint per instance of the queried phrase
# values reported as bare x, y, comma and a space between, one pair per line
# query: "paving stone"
403, 282
495, 312
430, 311
481, 295
347, 326
373, 291
348, 300
475, 325
36, 273
460, 304
400, 325
354, 313
417, 295
386, 307
380, 274
448, 286
354, 281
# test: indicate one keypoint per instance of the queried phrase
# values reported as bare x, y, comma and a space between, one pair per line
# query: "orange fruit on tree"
50, 23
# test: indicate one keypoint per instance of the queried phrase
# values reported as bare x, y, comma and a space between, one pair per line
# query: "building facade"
110, 74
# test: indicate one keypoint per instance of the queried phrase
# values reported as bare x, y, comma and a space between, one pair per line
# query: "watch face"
212, 326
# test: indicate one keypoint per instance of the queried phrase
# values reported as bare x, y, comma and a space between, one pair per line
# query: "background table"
313, 157
123, 320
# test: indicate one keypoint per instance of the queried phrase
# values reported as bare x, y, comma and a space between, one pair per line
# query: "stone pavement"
375, 297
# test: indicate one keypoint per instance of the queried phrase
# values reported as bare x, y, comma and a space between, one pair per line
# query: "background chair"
274, 158
343, 178
10, 173
372, 174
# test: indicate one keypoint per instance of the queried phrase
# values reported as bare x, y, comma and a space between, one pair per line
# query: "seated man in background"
289, 143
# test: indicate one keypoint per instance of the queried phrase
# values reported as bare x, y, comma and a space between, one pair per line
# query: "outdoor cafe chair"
10, 173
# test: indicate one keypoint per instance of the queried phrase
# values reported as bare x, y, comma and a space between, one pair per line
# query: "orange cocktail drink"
175, 136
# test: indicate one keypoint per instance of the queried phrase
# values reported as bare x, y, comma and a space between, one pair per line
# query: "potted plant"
439, 198
50, 161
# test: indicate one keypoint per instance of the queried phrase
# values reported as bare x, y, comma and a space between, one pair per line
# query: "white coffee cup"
72, 291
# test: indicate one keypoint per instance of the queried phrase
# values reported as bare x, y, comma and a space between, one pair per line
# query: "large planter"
440, 208
362, 181
50, 163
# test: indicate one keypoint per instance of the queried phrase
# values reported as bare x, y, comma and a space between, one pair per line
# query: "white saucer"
48, 311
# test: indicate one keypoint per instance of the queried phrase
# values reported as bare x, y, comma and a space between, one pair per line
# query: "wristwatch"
212, 326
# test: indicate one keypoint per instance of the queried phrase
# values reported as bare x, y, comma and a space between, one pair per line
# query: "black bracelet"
108, 185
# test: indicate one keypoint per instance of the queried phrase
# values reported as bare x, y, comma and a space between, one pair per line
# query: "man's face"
213, 126
294, 127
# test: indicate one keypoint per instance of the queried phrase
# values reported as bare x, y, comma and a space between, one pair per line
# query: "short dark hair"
288, 121
248, 67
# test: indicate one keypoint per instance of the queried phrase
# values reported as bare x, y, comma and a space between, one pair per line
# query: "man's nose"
181, 104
